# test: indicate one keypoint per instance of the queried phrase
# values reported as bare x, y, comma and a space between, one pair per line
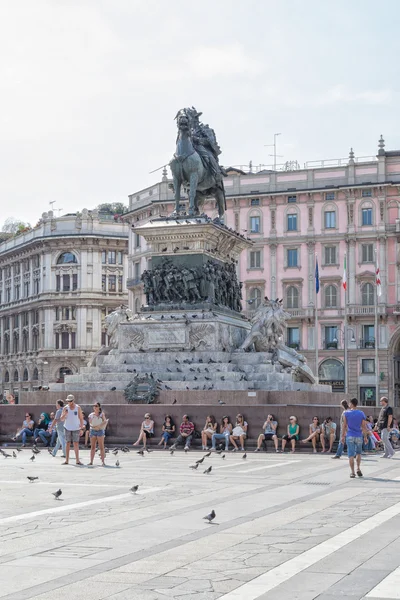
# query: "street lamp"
345, 342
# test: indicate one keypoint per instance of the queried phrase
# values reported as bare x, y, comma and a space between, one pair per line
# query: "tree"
13, 226
113, 208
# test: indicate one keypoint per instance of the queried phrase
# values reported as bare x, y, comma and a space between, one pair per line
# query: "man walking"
354, 429
59, 425
340, 448
73, 423
385, 423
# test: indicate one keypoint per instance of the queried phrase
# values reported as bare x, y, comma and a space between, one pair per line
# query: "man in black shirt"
385, 421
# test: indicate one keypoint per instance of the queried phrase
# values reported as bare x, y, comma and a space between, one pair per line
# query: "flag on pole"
345, 273
316, 275
378, 280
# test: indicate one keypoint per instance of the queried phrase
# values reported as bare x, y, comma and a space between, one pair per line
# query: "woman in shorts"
97, 424
270, 426
292, 434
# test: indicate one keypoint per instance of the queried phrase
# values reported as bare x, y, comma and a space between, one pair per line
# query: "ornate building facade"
57, 283
328, 209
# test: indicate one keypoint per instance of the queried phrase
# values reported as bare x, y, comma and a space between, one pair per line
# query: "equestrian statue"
195, 163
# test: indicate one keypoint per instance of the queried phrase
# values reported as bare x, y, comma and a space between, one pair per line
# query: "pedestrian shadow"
381, 479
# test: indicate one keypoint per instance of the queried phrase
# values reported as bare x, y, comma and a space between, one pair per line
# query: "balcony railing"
330, 345
368, 343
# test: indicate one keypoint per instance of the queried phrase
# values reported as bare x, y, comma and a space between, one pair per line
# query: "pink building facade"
329, 209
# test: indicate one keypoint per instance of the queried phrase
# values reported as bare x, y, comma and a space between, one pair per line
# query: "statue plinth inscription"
158, 337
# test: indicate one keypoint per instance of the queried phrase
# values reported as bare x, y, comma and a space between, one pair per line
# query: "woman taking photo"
209, 429
98, 424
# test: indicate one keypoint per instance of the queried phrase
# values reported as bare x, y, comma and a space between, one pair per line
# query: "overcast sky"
89, 88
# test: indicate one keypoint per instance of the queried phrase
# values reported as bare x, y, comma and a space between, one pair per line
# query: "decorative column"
351, 271
81, 321
273, 249
30, 331
49, 318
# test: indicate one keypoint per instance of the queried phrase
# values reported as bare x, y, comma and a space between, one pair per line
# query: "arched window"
331, 296
63, 372
16, 375
7, 377
66, 258
331, 370
367, 294
35, 376
254, 298
25, 376
292, 297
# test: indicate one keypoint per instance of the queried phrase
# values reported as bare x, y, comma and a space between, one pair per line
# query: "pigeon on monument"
210, 517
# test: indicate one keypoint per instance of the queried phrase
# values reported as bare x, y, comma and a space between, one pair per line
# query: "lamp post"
345, 341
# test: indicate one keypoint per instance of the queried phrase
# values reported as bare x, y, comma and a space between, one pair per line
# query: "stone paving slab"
271, 510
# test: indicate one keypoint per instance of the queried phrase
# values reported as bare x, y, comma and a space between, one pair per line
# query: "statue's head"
183, 120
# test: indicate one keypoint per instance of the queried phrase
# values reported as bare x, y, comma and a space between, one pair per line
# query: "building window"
330, 196
104, 257
16, 321
255, 224
25, 343
292, 222
25, 376
17, 291
367, 365
17, 269
292, 257
74, 282
255, 259
112, 257
26, 289
36, 261
366, 193
368, 395
367, 294
121, 255
367, 251
292, 297
66, 258
330, 296
36, 286
66, 283
35, 375
293, 337
255, 202
65, 340
330, 219
35, 341
120, 284
7, 377
137, 271
330, 255
8, 294
331, 341
73, 340
368, 339
254, 298
112, 283
103, 283
366, 216
292, 199
16, 375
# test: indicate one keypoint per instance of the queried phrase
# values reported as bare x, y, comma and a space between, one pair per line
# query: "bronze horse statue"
191, 168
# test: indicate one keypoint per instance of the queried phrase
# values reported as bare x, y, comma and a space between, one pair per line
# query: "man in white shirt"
73, 423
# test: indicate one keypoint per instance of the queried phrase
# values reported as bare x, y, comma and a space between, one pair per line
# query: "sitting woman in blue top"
292, 434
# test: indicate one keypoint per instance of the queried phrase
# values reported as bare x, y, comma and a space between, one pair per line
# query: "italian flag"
345, 274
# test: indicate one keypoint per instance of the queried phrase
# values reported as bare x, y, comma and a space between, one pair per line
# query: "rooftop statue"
195, 163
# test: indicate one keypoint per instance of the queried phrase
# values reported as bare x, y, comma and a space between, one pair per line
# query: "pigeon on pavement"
117, 463
141, 452
134, 489
244, 456
207, 471
32, 458
210, 517
196, 466
32, 479
207, 455
57, 494
198, 462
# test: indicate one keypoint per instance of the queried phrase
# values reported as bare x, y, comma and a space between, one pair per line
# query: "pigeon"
196, 466
194, 378
36, 450
141, 452
221, 402
198, 462
223, 378
207, 455
134, 489
175, 401
57, 494
244, 456
117, 463
207, 378
6, 455
223, 457
14, 454
219, 452
32, 479
186, 450
164, 249
193, 370
208, 471
32, 458
113, 389
18, 450
169, 370
172, 451
115, 451
210, 517
178, 370
168, 388
197, 387
177, 361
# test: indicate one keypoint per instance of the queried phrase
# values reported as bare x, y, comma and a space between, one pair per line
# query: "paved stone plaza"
287, 526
